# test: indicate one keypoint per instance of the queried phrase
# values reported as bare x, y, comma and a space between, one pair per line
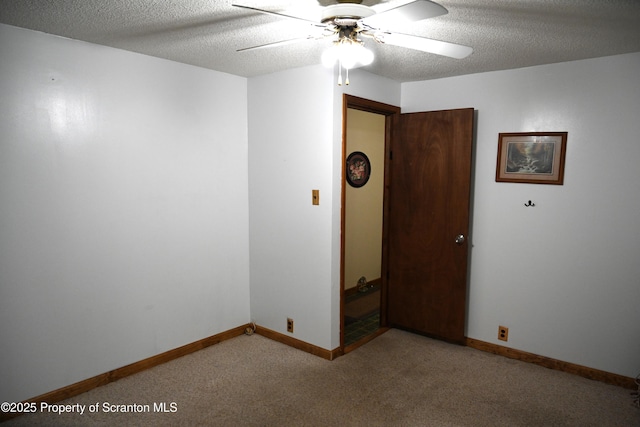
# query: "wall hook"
529, 204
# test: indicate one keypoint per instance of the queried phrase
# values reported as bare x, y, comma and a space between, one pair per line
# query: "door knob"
459, 239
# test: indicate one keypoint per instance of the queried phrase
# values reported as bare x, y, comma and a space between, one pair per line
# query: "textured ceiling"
504, 34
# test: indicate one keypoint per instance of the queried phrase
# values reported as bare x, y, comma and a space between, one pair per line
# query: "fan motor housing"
346, 11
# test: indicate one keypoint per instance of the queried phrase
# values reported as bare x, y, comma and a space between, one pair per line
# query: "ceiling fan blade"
275, 44
282, 15
410, 12
438, 47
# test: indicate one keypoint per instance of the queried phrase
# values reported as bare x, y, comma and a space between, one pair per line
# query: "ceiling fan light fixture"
347, 20
348, 55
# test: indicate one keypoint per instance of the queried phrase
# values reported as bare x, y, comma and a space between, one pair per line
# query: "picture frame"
531, 157
358, 169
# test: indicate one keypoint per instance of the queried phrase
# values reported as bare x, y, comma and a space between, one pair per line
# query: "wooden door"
429, 209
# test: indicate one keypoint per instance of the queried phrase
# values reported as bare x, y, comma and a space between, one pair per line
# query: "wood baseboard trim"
119, 373
559, 365
299, 344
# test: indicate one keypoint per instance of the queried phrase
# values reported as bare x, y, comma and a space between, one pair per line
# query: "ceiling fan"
348, 20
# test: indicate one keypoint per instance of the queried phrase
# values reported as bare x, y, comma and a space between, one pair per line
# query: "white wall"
563, 275
295, 134
290, 154
123, 209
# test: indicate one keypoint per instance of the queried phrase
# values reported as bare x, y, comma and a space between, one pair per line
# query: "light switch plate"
315, 197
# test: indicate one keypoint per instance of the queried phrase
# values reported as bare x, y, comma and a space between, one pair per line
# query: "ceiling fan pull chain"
346, 82
339, 72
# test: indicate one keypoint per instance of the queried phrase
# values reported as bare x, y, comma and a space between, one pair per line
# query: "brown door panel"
429, 208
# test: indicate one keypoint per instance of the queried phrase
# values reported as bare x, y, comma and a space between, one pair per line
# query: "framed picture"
358, 169
533, 158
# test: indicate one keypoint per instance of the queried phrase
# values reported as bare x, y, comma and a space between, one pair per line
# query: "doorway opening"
424, 246
366, 141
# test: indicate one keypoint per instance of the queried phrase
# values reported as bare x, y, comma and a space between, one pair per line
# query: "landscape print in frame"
531, 157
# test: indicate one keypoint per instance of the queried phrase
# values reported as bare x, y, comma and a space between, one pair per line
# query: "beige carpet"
398, 379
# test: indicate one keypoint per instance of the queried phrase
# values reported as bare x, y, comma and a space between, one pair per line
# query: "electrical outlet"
503, 333
289, 325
